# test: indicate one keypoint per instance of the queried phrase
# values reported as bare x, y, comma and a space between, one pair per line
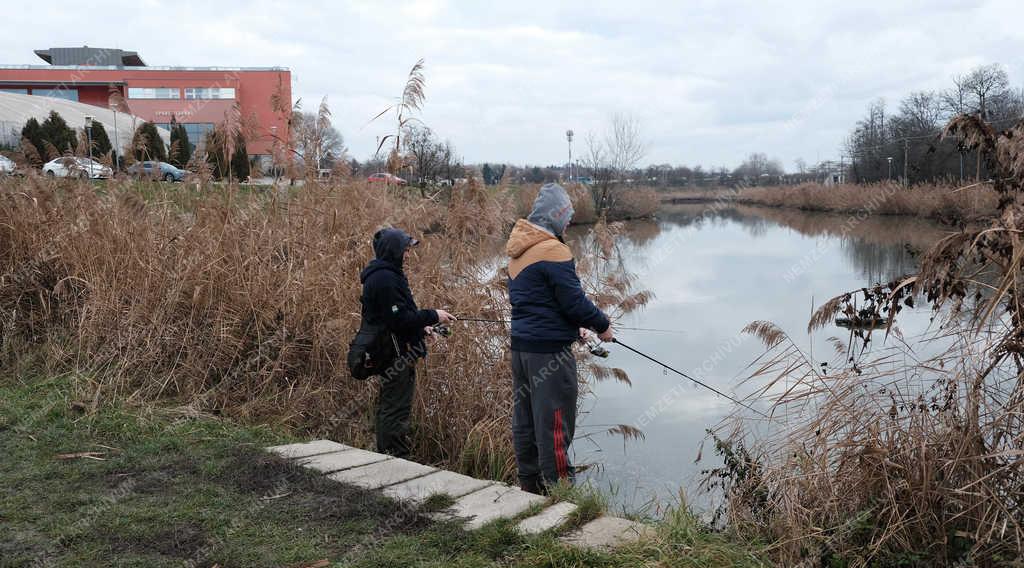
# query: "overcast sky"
709, 82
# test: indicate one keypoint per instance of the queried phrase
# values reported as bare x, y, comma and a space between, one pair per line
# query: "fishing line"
684, 375
651, 329
604, 353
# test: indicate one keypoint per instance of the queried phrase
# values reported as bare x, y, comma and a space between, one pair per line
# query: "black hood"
389, 247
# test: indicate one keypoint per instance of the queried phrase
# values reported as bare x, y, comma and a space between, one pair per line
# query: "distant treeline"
907, 143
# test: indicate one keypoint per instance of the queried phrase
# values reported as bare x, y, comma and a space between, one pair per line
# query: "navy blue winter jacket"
386, 295
548, 303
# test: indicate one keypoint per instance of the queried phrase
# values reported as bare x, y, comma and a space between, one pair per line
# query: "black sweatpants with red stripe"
545, 388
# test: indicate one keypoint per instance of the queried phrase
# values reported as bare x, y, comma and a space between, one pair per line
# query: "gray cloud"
710, 81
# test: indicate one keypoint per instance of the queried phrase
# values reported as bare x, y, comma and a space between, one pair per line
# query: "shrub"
635, 203
57, 133
180, 151
100, 141
147, 144
32, 133
240, 159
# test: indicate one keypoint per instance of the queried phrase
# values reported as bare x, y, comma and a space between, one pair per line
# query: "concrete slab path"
477, 501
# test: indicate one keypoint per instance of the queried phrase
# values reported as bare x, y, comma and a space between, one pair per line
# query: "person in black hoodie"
387, 300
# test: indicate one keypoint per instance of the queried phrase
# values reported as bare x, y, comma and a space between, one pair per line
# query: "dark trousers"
545, 388
394, 409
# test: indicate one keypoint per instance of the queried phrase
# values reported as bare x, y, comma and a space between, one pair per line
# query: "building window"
154, 93
196, 132
67, 94
15, 91
209, 92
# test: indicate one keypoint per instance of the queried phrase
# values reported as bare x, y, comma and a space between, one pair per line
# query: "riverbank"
945, 203
110, 483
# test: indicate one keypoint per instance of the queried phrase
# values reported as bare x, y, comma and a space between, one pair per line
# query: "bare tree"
954, 99
317, 141
985, 82
450, 166
423, 155
612, 156
920, 113
757, 165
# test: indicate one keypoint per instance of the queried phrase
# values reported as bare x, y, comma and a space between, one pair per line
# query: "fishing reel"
598, 350
442, 330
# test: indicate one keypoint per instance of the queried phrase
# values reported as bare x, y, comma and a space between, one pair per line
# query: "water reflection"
712, 273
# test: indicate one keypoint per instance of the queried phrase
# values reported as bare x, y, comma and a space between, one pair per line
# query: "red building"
197, 97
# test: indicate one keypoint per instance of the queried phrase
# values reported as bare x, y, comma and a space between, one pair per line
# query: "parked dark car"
156, 170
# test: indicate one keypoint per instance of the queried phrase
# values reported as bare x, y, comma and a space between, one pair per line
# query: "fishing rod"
651, 329
684, 375
599, 351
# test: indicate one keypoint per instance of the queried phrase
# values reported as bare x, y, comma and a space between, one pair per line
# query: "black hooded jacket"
386, 295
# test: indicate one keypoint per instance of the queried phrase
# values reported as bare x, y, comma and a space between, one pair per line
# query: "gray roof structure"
90, 56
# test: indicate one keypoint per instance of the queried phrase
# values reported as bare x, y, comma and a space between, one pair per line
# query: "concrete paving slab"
305, 449
550, 518
381, 474
441, 482
346, 459
605, 533
498, 501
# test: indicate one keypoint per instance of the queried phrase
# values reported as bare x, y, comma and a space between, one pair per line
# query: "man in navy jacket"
549, 312
387, 299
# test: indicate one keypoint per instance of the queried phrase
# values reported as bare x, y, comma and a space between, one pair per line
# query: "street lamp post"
568, 136
889, 159
88, 136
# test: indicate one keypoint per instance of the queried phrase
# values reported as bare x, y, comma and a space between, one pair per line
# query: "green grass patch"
590, 503
151, 487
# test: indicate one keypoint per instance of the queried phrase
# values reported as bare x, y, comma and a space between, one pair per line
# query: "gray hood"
552, 210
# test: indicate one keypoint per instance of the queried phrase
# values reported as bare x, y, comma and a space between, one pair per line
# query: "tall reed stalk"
241, 304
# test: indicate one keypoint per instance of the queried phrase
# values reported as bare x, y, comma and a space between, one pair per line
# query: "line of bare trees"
906, 145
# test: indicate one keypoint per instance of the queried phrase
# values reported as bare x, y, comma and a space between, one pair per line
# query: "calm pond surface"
712, 273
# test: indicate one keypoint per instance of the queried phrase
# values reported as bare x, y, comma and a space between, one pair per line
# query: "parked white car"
6, 166
77, 167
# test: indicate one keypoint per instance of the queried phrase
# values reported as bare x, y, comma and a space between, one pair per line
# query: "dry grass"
945, 202
892, 456
242, 304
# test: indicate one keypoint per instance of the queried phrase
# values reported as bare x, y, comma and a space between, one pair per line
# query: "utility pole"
568, 136
906, 154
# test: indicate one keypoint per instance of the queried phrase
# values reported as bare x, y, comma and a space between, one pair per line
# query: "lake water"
712, 273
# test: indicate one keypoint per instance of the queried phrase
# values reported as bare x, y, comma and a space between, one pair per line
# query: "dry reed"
943, 201
892, 456
241, 304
